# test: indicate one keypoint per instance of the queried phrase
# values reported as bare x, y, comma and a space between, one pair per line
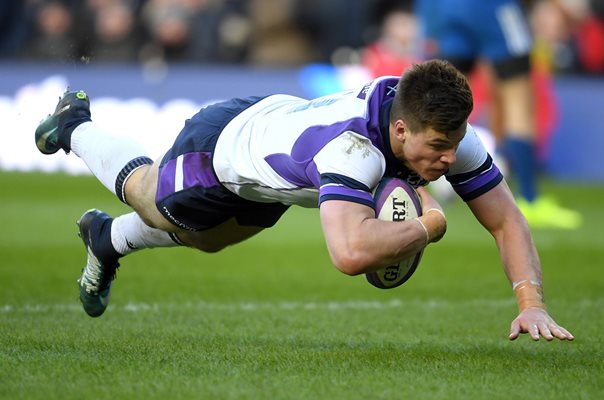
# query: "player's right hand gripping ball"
395, 200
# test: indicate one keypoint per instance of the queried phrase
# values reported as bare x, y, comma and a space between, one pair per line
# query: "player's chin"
433, 174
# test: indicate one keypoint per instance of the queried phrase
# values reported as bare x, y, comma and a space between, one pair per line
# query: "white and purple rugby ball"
395, 200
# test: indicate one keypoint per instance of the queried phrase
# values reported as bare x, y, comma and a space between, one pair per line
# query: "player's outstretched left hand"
537, 322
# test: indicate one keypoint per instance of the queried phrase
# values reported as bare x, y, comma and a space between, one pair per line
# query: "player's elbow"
352, 263
350, 253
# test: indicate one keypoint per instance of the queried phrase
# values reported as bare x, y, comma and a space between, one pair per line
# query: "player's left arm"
496, 210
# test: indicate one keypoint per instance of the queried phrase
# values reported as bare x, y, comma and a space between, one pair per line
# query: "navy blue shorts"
188, 191
466, 30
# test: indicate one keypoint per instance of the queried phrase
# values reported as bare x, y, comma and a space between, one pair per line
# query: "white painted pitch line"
333, 306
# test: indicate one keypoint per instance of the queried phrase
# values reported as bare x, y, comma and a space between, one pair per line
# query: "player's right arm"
350, 166
358, 242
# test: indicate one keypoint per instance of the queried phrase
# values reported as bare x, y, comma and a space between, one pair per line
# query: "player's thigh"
231, 221
518, 108
219, 237
247, 218
140, 191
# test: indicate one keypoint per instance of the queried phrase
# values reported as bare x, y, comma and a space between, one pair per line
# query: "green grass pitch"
272, 319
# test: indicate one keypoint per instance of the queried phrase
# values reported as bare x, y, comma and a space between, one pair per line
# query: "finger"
557, 332
545, 332
569, 335
562, 333
533, 330
514, 330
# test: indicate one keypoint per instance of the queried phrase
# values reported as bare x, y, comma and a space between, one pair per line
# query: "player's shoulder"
470, 154
380, 85
386, 79
353, 155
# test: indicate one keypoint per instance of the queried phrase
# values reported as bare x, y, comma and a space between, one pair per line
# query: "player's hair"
432, 94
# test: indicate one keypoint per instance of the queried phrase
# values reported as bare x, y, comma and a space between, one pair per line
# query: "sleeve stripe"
483, 189
465, 177
340, 190
329, 178
472, 184
326, 197
341, 187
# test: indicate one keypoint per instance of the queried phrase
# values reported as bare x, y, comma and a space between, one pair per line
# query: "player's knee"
140, 183
140, 195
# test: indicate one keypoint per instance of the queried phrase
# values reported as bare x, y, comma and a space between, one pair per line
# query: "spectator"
590, 39
267, 32
169, 27
196, 30
14, 26
396, 47
334, 24
276, 39
496, 32
115, 32
54, 35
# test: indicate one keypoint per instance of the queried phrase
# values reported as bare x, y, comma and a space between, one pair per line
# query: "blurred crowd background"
267, 32
155, 50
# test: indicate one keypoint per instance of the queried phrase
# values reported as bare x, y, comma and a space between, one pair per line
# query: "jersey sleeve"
350, 166
474, 172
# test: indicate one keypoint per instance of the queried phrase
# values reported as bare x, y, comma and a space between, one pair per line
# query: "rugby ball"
395, 200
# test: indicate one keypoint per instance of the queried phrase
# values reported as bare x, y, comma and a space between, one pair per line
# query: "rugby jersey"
296, 151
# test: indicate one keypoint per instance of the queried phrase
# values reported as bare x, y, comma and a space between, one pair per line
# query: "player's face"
430, 153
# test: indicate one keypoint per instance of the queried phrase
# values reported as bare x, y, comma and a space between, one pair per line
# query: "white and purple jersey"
273, 152
294, 151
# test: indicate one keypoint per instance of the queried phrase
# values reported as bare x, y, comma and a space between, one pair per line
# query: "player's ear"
400, 130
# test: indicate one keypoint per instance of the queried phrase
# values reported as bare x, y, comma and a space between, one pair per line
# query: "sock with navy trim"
112, 158
521, 156
129, 234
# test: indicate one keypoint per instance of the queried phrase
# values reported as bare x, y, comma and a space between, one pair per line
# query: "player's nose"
448, 157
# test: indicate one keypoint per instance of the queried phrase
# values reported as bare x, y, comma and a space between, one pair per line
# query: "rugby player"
238, 165
467, 32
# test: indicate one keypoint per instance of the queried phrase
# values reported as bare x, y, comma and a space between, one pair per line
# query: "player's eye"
442, 146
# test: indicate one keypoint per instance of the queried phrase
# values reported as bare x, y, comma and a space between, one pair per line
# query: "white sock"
111, 158
129, 233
